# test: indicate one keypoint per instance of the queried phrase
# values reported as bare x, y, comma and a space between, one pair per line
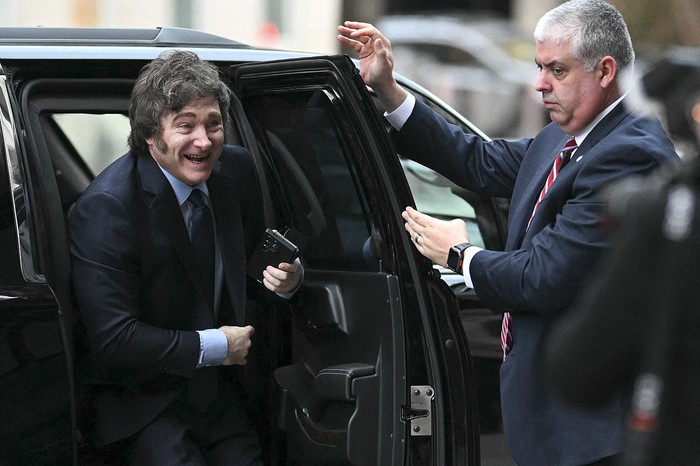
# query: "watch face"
453, 258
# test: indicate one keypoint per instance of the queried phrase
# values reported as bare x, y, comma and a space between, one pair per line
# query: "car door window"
97, 138
318, 184
437, 196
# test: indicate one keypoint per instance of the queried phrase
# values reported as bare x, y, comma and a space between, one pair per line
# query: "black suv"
369, 365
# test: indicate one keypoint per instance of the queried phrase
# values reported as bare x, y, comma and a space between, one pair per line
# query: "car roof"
158, 37
120, 43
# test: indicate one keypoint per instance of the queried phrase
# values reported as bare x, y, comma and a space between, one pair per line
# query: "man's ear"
607, 69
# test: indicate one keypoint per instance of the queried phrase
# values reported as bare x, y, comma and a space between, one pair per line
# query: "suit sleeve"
547, 272
489, 168
109, 287
543, 274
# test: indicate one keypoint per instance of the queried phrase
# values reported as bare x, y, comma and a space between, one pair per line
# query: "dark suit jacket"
639, 315
136, 285
544, 265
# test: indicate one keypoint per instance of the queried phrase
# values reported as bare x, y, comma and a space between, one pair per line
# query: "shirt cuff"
398, 117
469, 254
213, 347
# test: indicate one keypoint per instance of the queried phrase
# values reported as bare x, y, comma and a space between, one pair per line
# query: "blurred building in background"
292, 24
308, 25
474, 54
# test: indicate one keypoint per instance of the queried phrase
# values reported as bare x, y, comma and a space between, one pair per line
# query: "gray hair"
167, 84
594, 29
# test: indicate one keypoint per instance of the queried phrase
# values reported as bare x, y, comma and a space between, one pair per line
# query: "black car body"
369, 365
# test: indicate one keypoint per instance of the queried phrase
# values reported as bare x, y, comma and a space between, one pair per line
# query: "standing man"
159, 243
554, 238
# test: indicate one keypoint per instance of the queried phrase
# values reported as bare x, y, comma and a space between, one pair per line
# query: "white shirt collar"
587, 130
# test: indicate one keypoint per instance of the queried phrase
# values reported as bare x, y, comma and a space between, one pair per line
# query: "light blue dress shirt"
213, 346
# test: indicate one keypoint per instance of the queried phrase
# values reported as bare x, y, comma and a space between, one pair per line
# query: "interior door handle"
334, 383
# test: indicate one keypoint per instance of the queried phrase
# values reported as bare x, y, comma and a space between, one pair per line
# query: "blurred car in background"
674, 82
479, 64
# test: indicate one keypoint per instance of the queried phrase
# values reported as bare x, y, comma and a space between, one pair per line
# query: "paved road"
494, 451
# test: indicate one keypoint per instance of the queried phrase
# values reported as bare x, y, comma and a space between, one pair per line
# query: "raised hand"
376, 61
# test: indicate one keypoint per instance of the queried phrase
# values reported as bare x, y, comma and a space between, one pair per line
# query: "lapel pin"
579, 158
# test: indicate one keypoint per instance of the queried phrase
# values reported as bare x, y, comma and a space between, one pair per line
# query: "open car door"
373, 366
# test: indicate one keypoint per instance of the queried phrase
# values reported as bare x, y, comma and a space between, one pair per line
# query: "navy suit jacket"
137, 287
543, 266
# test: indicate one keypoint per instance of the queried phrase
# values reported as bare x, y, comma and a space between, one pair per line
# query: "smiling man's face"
190, 141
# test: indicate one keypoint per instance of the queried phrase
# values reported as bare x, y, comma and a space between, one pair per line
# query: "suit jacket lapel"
167, 211
603, 128
543, 165
544, 162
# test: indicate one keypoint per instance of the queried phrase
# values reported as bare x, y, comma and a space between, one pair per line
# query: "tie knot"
197, 198
565, 153
569, 146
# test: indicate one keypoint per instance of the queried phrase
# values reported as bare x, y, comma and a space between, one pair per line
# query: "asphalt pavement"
494, 451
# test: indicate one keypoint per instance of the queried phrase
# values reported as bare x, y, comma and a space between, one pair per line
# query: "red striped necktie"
561, 159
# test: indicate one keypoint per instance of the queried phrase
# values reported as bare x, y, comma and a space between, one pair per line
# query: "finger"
412, 226
349, 27
276, 272
356, 24
352, 43
270, 281
409, 230
407, 226
357, 31
289, 268
356, 28
417, 240
410, 216
417, 217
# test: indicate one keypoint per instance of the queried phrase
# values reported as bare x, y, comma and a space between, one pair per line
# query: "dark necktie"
560, 161
203, 384
202, 236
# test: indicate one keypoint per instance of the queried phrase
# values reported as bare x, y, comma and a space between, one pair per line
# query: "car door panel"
36, 383
365, 320
344, 359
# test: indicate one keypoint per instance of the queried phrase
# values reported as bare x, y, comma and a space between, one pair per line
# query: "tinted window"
318, 183
10, 195
20, 261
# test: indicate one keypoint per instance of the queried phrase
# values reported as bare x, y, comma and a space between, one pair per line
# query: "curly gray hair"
167, 84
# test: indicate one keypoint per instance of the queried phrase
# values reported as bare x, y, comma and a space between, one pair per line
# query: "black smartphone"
272, 249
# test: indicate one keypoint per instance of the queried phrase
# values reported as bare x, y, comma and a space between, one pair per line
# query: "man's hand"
283, 279
239, 343
432, 237
376, 61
